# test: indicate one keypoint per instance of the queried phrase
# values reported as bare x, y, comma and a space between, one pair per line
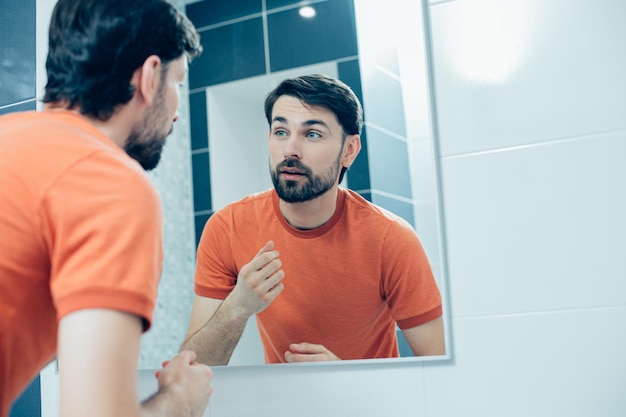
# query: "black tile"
27, 105
350, 73
359, 173
231, 53
274, 4
198, 120
200, 220
17, 51
201, 181
403, 345
210, 12
29, 402
295, 41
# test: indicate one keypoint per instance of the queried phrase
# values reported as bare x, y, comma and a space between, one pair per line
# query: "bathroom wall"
529, 114
531, 104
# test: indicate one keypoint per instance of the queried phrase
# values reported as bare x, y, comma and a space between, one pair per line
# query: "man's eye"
313, 135
280, 132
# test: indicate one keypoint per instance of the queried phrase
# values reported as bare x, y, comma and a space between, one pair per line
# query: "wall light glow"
307, 12
490, 40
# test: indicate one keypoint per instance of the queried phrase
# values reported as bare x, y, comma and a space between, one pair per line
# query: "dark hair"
95, 46
321, 90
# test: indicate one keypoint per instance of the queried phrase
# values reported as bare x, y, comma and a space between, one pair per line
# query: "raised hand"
259, 282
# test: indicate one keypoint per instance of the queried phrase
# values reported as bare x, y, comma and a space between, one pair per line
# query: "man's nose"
292, 148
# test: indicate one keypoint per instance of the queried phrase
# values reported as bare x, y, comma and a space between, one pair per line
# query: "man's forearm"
216, 340
164, 403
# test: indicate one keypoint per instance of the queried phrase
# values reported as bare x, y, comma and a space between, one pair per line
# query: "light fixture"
307, 12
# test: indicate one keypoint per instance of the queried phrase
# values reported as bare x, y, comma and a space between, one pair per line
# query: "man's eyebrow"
312, 122
316, 122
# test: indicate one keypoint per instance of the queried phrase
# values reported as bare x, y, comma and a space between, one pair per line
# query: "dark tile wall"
17, 93
359, 173
231, 52
295, 41
237, 46
211, 12
17, 55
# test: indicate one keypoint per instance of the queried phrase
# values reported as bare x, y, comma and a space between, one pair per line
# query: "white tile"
319, 390
537, 228
556, 364
510, 72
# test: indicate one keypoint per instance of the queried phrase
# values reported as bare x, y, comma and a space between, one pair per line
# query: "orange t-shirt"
80, 227
347, 283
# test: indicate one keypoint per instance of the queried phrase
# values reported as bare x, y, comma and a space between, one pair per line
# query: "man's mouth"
291, 174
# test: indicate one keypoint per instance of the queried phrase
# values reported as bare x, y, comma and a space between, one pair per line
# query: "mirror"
380, 50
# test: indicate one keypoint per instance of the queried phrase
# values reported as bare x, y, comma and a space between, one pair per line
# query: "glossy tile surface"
198, 120
231, 52
524, 71
210, 12
389, 163
295, 41
559, 364
537, 228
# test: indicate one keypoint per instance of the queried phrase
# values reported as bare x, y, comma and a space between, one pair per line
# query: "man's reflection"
327, 273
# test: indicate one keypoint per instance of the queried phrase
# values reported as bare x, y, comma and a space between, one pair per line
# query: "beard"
304, 190
146, 140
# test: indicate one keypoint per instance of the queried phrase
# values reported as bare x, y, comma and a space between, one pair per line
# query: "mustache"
293, 163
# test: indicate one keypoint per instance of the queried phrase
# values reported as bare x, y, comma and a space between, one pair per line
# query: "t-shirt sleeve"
216, 270
410, 287
102, 222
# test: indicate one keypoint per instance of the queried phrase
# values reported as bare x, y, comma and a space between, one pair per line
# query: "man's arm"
214, 339
216, 326
98, 351
426, 339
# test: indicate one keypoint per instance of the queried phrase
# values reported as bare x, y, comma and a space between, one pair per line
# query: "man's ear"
351, 149
146, 79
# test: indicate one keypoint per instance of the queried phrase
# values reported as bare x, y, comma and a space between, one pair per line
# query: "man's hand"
216, 326
309, 352
189, 379
259, 282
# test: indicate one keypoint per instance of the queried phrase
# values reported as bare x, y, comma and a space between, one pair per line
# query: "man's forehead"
288, 108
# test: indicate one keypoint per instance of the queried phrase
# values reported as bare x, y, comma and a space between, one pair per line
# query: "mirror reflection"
391, 164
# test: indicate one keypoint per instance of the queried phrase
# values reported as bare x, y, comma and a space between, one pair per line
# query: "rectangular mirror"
380, 49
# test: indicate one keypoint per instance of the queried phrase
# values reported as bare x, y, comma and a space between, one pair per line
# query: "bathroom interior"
496, 127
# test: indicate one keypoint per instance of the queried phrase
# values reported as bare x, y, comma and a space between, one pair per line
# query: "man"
348, 271
80, 224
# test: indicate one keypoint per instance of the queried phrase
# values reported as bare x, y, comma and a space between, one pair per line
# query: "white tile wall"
525, 71
537, 228
533, 365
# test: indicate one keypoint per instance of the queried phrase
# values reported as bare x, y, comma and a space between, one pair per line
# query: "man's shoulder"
357, 207
356, 203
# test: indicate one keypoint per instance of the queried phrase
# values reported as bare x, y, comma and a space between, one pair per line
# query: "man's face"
148, 136
306, 150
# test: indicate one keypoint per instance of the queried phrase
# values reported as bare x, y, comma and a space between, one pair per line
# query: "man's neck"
310, 214
116, 128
